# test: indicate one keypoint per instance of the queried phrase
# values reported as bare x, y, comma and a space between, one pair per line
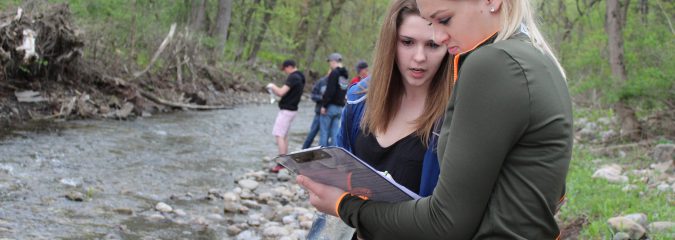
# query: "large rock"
621, 236
275, 232
622, 224
662, 228
233, 230
611, 173
663, 152
247, 235
248, 184
639, 218
163, 207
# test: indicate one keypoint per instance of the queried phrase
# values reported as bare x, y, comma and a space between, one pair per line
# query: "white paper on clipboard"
337, 167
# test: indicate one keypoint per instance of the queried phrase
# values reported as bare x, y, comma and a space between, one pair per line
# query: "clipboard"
338, 167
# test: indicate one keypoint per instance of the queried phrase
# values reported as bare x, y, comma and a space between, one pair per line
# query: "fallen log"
159, 100
156, 99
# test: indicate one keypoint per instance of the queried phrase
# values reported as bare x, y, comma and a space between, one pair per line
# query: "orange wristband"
337, 204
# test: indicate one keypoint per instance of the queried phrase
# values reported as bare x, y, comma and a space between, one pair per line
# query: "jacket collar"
459, 58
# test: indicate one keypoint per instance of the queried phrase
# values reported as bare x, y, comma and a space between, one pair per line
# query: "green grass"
598, 200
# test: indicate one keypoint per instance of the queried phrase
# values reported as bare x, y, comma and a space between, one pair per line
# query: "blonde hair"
516, 13
386, 89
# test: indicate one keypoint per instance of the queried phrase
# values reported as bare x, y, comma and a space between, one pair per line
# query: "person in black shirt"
333, 100
290, 94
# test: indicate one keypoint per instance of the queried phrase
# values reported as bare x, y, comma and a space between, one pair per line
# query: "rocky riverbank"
645, 169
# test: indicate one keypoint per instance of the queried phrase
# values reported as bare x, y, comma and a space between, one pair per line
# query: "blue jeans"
329, 124
313, 130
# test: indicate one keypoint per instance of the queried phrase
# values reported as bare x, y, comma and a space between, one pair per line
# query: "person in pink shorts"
290, 94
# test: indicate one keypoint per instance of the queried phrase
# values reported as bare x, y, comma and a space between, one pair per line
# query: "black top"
296, 83
336, 87
403, 159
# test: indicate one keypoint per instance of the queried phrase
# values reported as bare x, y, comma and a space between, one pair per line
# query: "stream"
114, 172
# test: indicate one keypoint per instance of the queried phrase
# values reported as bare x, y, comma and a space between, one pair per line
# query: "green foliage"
649, 64
8, 3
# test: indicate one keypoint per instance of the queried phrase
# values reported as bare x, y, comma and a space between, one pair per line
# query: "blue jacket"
350, 127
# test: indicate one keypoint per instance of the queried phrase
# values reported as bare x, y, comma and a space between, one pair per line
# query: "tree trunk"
624, 9
301, 34
243, 38
198, 16
222, 25
132, 35
644, 11
630, 127
263, 29
320, 34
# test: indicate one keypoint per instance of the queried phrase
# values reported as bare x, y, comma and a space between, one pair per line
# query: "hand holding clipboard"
337, 167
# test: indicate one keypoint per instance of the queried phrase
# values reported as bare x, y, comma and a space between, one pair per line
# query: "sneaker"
276, 168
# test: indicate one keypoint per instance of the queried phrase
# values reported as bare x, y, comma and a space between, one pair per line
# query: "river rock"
284, 175
288, 219
163, 207
275, 232
258, 175
155, 217
75, 196
663, 187
662, 166
231, 207
255, 219
612, 173
250, 204
232, 230
6, 169
215, 217
124, 211
266, 196
179, 212
662, 227
306, 217
621, 236
639, 218
248, 184
230, 196
71, 182
622, 224
247, 235
246, 194
663, 152
299, 234
306, 224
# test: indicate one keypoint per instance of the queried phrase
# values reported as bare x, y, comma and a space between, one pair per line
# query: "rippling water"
131, 165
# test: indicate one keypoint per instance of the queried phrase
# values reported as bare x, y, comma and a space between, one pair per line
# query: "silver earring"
492, 9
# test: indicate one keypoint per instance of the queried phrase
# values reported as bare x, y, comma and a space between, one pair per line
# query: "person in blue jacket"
393, 117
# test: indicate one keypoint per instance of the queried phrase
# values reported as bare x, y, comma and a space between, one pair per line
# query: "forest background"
618, 55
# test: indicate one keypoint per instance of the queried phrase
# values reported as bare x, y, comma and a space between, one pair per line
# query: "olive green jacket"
504, 151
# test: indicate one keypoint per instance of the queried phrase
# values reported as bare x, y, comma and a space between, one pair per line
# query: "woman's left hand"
323, 197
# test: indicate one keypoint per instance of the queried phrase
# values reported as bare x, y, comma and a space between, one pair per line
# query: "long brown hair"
386, 90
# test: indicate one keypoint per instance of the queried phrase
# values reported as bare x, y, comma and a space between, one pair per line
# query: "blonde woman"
506, 140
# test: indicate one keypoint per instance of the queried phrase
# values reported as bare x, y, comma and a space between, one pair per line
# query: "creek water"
122, 169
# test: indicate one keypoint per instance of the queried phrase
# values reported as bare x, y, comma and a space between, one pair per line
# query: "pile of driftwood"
41, 60
38, 46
